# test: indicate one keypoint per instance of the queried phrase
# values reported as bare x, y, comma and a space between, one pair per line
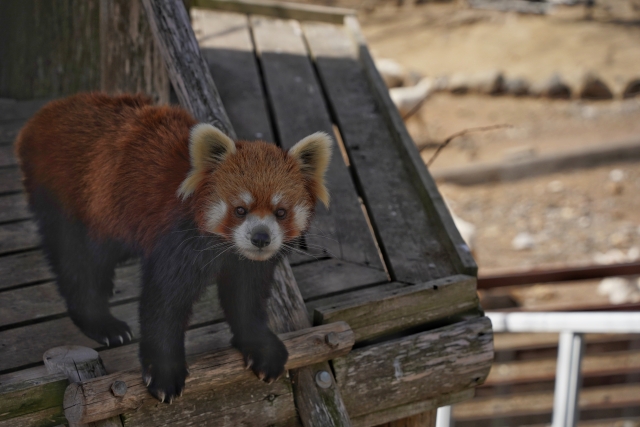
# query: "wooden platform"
385, 258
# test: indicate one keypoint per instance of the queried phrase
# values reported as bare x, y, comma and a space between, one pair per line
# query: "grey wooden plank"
411, 237
23, 268
299, 109
14, 207
9, 130
7, 156
11, 109
10, 180
333, 275
38, 301
18, 236
25, 345
225, 43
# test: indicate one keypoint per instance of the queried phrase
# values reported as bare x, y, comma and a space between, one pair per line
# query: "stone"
554, 87
516, 86
458, 84
407, 99
490, 82
391, 71
523, 241
632, 89
592, 87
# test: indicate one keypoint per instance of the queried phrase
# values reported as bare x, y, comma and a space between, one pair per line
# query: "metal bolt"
331, 339
323, 379
119, 388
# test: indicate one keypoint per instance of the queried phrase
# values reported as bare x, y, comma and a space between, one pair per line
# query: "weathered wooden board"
225, 43
43, 301
299, 110
23, 269
394, 307
417, 367
329, 276
9, 130
10, 180
18, 236
13, 207
7, 156
250, 403
411, 237
25, 345
52, 417
10, 109
44, 393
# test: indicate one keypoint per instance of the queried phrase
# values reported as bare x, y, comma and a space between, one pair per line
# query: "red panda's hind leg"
84, 270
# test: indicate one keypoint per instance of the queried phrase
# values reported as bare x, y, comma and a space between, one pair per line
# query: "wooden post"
78, 364
318, 400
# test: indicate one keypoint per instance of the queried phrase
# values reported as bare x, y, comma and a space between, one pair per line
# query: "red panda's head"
254, 194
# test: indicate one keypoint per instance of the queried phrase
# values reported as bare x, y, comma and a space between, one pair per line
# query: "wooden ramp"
385, 258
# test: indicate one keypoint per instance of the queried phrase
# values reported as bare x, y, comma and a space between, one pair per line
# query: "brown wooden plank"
417, 367
23, 268
411, 237
52, 417
333, 275
225, 43
38, 301
14, 207
394, 307
18, 236
25, 345
299, 110
10, 180
31, 395
425, 419
7, 156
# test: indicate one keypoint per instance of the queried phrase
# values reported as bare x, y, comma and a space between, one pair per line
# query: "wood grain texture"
425, 419
92, 400
129, 58
299, 109
417, 367
188, 71
410, 234
24, 268
394, 307
11, 109
10, 180
32, 396
18, 236
13, 207
226, 45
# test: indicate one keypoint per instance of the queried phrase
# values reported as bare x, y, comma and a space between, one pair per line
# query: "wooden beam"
93, 400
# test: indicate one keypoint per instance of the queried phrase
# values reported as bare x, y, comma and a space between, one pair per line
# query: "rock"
555, 186
516, 154
612, 256
523, 241
458, 84
489, 82
632, 89
592, 87
554, 88
406, 99
516, 86
392, 72
619, 290
616, 175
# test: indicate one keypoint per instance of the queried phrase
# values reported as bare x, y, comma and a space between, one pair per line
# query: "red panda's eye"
240, 211
281, 213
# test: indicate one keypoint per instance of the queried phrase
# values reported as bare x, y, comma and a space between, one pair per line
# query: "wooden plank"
10, 180
250, 403
613, 396
18, 236
394, 307
11, 109
24, 268
31, 396
525, 341
225, 43
9, 130
425, 419
325, 277
417, 367
278, 9
23, 346
299, 109
410, 235
13, 207
93, 400
431, 197
52, 417
7, 156
41, 301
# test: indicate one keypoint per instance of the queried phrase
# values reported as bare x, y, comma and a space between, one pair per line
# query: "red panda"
108, 178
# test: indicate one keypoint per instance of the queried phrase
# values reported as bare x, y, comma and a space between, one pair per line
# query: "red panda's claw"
106, 341
129, 335
147, 380
249, 363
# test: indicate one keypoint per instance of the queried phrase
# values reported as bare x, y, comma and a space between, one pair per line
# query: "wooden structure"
384, 268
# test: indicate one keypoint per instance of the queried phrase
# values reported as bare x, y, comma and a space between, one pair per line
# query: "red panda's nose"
260, 239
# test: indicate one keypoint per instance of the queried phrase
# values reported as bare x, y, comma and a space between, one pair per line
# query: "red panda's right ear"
208, 146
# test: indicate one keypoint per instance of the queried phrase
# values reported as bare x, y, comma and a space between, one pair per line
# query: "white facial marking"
216, 214
276, 199
246, 197
301, 216
242, 237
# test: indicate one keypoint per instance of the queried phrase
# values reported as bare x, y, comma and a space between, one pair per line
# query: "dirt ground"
566, 218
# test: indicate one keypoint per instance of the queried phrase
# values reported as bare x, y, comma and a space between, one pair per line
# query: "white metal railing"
571, 326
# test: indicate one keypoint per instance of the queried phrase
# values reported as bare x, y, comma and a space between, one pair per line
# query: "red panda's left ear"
313, 153
208, 146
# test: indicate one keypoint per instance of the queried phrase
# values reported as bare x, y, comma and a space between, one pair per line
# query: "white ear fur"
313, 153
207, 146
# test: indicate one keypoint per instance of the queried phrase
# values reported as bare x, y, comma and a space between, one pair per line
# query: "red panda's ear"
313, 153
208, 146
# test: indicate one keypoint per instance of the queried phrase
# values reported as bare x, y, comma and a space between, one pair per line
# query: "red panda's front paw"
265, 356
165, 381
